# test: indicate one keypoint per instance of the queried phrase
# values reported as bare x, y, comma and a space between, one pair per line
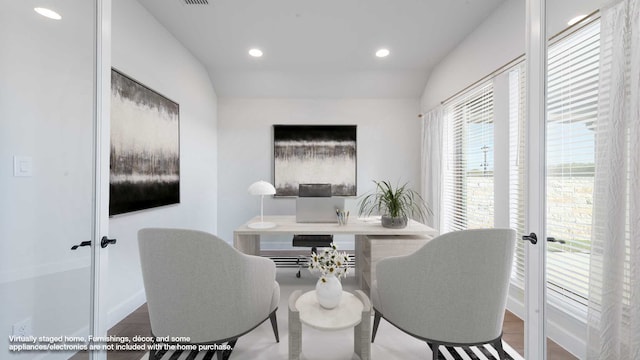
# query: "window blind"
572, 92
468, 200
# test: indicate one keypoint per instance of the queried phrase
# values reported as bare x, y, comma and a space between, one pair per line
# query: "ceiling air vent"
196, 2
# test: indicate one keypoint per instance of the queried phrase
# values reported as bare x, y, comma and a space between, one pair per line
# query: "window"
476, 123
468, 198
572, 88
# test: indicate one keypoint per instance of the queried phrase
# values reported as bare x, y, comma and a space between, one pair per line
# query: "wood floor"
137, 323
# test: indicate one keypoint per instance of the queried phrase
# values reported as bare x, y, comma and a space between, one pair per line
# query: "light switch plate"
22, 166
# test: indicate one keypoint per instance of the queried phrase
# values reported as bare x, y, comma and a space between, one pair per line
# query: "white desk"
247, 240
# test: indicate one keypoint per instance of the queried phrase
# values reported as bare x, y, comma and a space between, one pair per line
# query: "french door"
54, 190
535, 251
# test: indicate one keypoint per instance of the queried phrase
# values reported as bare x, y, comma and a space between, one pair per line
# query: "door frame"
101, 134
535, 255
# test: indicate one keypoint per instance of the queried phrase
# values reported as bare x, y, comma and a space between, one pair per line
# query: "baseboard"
122, 310
514, 304
567, 331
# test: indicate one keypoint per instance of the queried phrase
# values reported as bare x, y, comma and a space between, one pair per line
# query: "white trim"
563, 329
514, 301
125, 308
102, 95
535, 284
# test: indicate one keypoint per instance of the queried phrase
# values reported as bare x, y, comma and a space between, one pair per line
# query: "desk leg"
295, 327
248, 244
362, 331
361, 262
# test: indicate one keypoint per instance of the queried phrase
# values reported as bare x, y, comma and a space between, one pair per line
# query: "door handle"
533, 238
552, 239
84, 243
106, 241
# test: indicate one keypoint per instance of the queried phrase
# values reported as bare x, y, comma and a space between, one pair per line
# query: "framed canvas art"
145, 147
315, 154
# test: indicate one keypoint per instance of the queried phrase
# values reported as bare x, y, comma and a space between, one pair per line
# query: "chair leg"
435, 350
152, 352
225, 354
274, 325
209, 355
376, 322
498, 346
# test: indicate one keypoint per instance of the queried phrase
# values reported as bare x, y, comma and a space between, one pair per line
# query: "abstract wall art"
145, 147
315, 154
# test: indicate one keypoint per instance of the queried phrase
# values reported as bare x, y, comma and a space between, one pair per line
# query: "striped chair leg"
498, 346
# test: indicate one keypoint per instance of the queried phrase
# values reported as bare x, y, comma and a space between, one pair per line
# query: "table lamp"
261, 188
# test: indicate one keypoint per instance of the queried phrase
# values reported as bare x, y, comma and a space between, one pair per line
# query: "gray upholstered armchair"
200, 287
451, 292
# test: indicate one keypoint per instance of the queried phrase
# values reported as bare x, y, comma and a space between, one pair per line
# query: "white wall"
498, 40
388, 149
147, 52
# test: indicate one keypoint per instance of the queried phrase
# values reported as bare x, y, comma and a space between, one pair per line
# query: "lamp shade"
261, 188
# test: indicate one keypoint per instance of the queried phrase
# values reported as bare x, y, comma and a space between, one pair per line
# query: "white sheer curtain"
432, 161
614, 279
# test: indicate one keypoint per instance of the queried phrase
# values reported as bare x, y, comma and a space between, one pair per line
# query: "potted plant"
395, 204
332, 266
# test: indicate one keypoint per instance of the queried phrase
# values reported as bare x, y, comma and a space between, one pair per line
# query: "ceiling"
320, 48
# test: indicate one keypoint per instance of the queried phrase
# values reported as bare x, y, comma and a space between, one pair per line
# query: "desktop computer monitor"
318, 209
316, 205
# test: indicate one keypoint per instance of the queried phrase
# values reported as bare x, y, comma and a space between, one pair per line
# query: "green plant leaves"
399, 201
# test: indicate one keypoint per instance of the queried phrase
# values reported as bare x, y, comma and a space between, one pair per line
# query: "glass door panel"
47, 196
573, 32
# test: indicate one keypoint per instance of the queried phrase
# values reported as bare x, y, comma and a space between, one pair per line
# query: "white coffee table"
353, 311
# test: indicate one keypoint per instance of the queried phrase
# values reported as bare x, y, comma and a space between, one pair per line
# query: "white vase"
329, 293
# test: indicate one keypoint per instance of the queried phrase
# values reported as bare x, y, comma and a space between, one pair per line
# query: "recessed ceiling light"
48, 13
255, 52
382, 53
576, 20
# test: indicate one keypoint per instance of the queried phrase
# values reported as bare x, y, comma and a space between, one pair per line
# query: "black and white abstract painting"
314, 154
145, 147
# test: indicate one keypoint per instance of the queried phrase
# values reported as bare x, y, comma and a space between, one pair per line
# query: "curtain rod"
486, 77
588, 19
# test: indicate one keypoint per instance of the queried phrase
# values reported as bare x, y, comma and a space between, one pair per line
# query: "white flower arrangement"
330, 262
